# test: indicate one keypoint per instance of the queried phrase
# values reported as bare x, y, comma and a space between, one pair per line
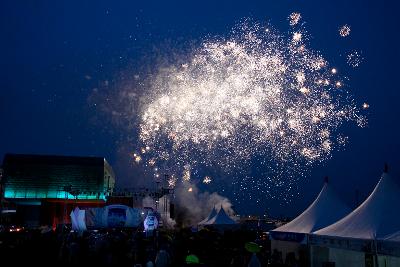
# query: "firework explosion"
354, 59
344, 31
255, 93
294, 18
207, 180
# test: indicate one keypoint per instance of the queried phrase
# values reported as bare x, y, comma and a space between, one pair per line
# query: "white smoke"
192, 205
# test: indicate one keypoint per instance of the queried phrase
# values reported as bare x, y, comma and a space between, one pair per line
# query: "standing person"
162, 258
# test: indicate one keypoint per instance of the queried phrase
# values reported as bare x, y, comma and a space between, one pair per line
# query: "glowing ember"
186, 173
304, 90
344, 30
137, 158
152, 162
172, 181
297, 37
354, 59
207, 180
294, 18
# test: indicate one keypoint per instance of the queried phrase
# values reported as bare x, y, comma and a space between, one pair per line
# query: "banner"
287, 236
113, 216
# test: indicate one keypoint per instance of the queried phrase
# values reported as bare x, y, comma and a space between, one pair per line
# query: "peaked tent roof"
395, 237
376, 218
221, 218
210, 216
326, 209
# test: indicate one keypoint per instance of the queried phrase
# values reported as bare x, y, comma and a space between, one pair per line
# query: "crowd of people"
134, 248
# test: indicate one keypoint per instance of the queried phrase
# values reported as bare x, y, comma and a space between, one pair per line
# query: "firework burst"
294, 18
344, 31
255, 93
354, 59
207, 180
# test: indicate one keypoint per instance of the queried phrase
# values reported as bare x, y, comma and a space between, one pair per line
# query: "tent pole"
376, 252
310, 252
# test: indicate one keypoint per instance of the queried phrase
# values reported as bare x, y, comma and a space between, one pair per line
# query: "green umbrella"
252, 247
192, 259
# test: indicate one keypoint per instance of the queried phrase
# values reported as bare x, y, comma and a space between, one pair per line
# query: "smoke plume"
192, 205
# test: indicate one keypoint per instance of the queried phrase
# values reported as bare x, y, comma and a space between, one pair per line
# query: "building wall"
55, 184
109, 177
56, 177
28, 215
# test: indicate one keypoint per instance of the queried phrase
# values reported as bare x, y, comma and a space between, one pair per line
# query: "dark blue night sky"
54, 53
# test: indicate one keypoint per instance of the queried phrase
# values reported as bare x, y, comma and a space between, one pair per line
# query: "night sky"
54, 54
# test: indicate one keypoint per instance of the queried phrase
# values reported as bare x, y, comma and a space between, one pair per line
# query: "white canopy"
395, 237
221, 218
78, 220
210, 216
326, 209
376, 218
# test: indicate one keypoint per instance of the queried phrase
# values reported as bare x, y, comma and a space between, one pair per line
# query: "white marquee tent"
210, 216
326, 209
395, 237
378, 217
371, 229
220, 218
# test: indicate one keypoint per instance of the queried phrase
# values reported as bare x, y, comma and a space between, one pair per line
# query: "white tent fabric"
326, 209
376, 218
78, 219
210, 216
221, 218
395, 237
